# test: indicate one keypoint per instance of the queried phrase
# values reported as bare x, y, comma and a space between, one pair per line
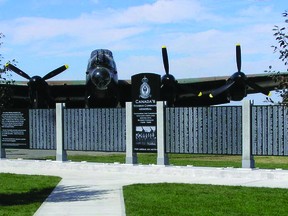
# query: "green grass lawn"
193, 199
263, 162
23, 194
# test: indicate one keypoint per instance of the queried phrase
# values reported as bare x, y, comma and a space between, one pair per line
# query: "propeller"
168, 78
17, 71
168, 82
165, 59
39, 92
238, 77
221, 89
55, 72
46, 77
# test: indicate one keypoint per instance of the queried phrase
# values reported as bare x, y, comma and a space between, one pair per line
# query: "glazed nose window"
101, 78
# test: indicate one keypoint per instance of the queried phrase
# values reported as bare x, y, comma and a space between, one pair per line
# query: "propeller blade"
238, 57
221, 89
17, 71
165, 59
258, 88
55, 72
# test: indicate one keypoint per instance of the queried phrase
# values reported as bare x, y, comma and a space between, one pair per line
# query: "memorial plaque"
15, 129
145, 93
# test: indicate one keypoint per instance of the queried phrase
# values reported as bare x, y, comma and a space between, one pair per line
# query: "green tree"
281, 48
5, 81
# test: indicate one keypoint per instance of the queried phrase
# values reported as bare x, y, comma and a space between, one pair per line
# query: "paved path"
96, 189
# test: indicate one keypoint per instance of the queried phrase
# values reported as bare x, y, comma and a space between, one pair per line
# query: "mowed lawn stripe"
23, 194
195, 199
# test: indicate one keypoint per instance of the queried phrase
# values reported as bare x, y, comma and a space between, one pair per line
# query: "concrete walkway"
96, 189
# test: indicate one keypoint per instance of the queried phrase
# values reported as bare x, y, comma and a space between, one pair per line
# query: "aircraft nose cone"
101, 78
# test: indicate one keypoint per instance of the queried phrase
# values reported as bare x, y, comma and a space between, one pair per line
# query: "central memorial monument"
145, 94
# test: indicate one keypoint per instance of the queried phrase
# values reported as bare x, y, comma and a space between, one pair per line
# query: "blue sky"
200, 35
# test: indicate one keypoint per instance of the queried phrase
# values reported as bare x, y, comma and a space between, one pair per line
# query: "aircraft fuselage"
101, 80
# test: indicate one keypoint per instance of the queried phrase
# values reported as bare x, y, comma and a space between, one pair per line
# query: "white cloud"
201, 46
83, 31
164, 11
104, 26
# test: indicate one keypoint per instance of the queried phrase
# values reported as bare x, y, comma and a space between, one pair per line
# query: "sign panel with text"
145, 93
15, 129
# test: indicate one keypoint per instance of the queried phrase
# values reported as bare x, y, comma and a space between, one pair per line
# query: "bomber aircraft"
103, 89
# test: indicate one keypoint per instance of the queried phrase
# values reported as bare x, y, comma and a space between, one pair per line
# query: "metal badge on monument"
145, 93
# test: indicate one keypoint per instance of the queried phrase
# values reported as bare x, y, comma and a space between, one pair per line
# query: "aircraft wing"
188, 89
207, 84
73, 92
20, 94
266, 81
70, 92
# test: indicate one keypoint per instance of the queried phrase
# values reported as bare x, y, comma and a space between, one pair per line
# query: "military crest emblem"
145, 90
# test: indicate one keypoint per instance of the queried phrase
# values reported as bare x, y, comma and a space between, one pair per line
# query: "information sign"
145, 93
15, 129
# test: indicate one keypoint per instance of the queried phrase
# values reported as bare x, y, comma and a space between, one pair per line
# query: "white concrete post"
162, 157
61, 154
131, 157
247, 157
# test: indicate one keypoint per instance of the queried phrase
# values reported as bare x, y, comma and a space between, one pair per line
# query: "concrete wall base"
163, 160
2, 153
132, 160
61, 155
248, 163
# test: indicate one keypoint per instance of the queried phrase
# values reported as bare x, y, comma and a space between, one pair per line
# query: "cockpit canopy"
102, 58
